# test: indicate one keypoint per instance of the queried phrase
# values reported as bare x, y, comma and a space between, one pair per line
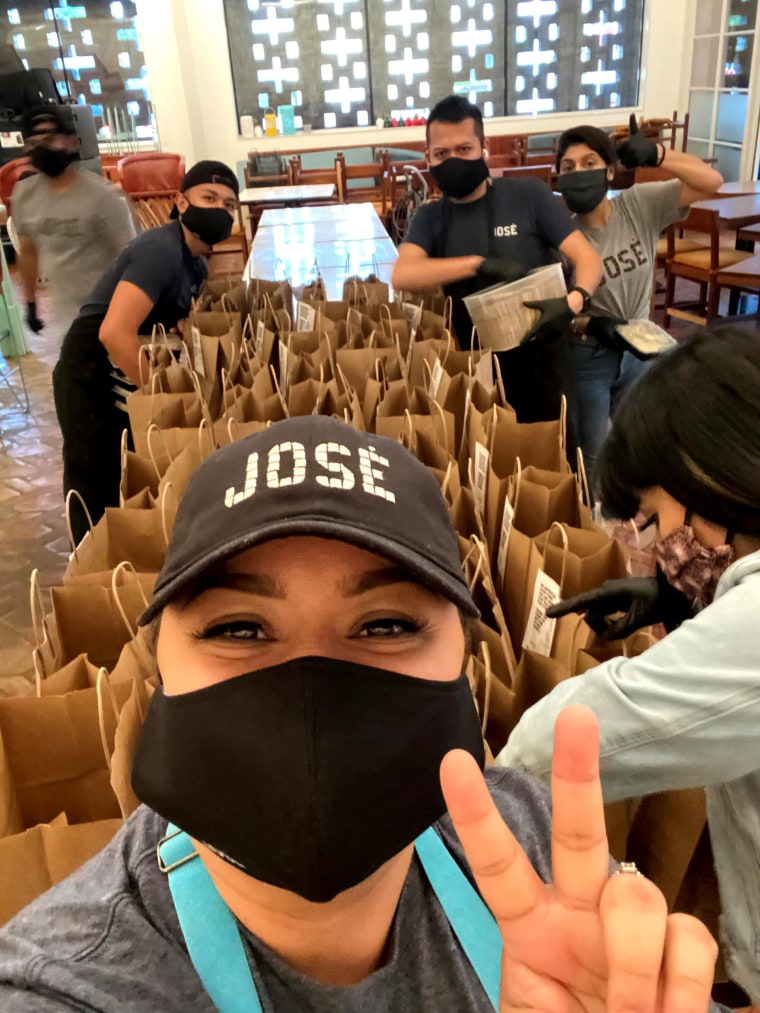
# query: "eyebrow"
260, 584
380, 577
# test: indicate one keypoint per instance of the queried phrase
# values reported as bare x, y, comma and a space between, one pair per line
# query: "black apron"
536, 375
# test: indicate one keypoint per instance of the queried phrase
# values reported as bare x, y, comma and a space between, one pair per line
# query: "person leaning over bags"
685, 450
70, 222
296, 739
624, 231
103, 357
487, 231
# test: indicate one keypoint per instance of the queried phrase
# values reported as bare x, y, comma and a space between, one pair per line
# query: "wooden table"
734, 212
740, 189
338, 241
289, 196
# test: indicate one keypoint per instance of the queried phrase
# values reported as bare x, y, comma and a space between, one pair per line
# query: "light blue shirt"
684, 714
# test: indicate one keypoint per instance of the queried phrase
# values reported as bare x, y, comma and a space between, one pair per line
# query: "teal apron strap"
209, 928
217, 952
472, 922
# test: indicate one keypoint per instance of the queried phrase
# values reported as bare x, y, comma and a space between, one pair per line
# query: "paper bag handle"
565, 549
584, 489
484, 654
104, 688
71, 495
162, 506
152, 430
126, 567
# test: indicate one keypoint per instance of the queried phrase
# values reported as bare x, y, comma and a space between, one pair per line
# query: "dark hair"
455, 109
61, 120
691, 424
596, 139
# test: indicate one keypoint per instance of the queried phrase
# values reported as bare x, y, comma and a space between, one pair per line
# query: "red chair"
151, 174
10, 174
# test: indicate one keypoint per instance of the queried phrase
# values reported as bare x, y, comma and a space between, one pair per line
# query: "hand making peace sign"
589, 943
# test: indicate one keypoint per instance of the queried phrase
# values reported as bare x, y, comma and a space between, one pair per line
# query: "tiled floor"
31, 505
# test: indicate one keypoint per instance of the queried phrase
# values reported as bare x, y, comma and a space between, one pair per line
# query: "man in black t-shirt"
484, 232
152, 282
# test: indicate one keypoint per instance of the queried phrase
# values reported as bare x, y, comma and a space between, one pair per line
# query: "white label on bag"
200, 369
12, 139
539, 633
481, 463
260, 335
435, 379
413, 314
506, 530
305, 317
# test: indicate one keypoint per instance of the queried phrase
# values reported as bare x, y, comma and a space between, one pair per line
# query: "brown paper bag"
546, 497
33, 861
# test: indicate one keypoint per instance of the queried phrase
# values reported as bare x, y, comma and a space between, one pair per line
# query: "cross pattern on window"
345, 62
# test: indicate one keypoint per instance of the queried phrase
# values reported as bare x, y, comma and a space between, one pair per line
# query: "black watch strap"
586, 296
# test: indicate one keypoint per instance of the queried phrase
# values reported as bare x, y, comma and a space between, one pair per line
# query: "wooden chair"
542, 172
151, 174
700, 266
505, 161
372, 188
298, 176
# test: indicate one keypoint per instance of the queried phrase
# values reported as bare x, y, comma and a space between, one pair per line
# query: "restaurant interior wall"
187, 55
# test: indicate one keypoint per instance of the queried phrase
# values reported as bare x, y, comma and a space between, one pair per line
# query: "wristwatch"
586, 297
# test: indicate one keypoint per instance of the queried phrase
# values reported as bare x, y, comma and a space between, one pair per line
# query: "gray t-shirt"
107, 938
627, 246
77, 233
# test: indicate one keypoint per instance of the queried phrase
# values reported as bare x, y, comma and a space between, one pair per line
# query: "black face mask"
458, 177
308, 775
584, 190
51, 161
210, 225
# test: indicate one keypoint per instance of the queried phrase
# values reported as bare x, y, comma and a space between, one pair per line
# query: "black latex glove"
499, 270
604, 329
555, 318
33, 322
638, 150
637, 597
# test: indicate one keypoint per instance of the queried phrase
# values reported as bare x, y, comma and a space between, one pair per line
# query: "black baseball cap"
209, 171
313, 475
59, 117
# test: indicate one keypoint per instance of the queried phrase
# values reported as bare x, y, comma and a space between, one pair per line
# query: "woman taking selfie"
312, 729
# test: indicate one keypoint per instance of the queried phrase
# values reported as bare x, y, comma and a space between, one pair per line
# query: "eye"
237, 631
388, 627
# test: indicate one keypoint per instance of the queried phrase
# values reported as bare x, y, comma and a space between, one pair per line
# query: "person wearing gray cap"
317, 833
69, 223
102, 358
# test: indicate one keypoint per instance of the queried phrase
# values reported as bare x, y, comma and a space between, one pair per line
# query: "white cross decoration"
535, 105
537, 9
599, 77
536, 58
273, 26
279, 74
408, 67
406, 18
472, 38
602, 28
341, 47
344, 95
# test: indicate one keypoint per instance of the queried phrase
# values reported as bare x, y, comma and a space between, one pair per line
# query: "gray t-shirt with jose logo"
77, 232
107, 938
627, 246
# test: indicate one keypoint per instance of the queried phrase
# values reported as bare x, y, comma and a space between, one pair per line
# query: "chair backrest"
699, 220
300, 176
505, 161
542, 172
10, 174
371, 175
151, 173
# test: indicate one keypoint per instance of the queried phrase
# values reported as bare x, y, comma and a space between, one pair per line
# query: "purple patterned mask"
690, 567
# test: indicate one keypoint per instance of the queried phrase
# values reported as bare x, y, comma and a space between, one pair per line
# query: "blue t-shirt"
159, 263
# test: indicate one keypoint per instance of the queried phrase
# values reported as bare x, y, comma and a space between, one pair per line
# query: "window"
94, 53
346, 62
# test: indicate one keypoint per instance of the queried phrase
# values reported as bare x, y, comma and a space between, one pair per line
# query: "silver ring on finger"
627, 868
